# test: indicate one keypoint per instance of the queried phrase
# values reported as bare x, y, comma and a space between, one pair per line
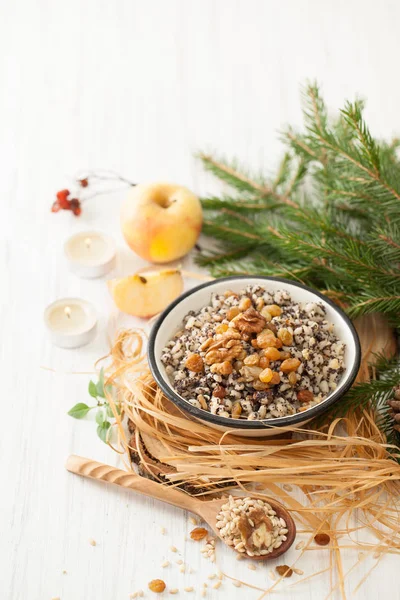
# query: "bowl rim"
228, 422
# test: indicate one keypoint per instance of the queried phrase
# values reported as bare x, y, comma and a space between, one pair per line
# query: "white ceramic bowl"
171, 321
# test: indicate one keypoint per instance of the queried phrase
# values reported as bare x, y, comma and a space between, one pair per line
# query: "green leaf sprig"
104, 410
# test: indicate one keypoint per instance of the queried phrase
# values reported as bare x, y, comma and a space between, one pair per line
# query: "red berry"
62, 197
84, 182
76, 206
56, 207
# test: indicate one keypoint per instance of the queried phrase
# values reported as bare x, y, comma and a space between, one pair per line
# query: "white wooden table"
137, 87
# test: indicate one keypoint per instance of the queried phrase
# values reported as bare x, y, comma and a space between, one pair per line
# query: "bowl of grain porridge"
253, 354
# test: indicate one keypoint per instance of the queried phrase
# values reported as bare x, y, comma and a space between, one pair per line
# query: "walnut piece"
222, 368
255, 536
250, 321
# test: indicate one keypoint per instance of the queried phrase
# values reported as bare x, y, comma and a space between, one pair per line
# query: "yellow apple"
161, 221
146, 293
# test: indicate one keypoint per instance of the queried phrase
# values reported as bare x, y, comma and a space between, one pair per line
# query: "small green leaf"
100, 384
92, 389
102, 431
79, 411
100, 417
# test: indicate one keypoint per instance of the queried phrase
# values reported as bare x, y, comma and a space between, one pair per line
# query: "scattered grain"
166, 563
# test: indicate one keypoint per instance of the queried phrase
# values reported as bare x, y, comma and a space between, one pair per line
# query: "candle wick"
88, 242
67, 312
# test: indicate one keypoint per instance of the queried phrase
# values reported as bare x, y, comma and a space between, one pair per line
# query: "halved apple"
146, 293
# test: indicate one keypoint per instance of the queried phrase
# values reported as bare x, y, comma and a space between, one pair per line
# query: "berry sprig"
63, 201
63, 197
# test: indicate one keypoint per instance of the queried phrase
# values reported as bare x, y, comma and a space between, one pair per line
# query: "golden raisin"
259, 303
244, 304
194, 363
236, 410
292, 378
322, 539
273, 309
264, 362
266, 314
290, 364
285, 336
232, 313
285, 355
229, 293
199, 533
221, 328
272, 353
278, 343
223, 368
157, 586
259, 385
266, 338
252, 360
284, 571
275, 378
266, 375
254, 343
305, 396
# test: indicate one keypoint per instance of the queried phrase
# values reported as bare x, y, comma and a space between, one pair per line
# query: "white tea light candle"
71, 322
90, 254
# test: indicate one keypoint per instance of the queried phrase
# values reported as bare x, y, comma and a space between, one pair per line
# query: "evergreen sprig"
329, 218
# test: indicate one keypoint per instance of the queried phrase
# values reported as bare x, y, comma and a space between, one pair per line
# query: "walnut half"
250, 321
258, 536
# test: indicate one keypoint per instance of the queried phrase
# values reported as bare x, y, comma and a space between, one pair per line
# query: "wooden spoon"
207, 510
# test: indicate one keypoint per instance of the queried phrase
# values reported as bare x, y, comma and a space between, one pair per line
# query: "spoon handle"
101, 472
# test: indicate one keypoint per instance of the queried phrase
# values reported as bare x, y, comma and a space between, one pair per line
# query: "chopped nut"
260, 386
92, 542
266, 375
250, 373
274, 310
244, 304
221, 328
255, 529
222, 368
198, 534
290, 364
232, 313
194, 363
202, 401
292, 378
305, 396
250, 321
236, 410
157, 586
272, 353
266, 338
285, 336
252, 360
322, 539
284, 571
